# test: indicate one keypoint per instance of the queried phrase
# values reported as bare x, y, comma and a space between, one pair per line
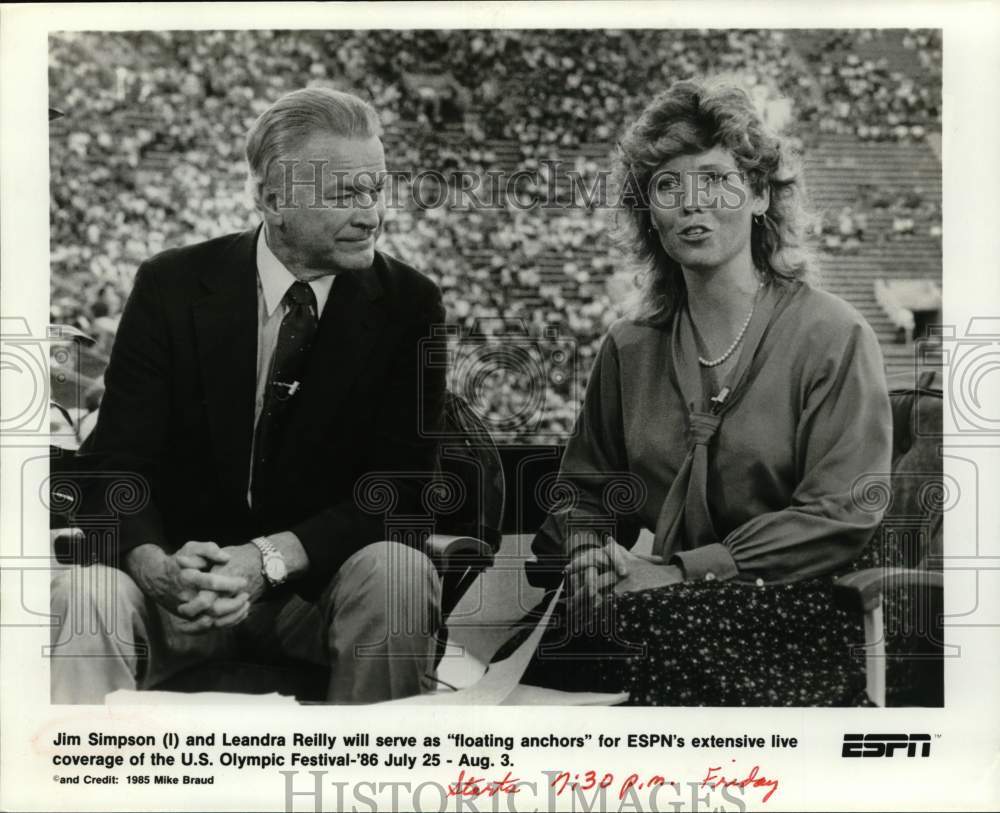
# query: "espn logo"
885, 745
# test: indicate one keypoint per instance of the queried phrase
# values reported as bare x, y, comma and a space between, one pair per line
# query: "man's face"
332, 213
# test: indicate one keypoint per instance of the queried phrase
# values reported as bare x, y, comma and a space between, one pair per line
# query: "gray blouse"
790, 468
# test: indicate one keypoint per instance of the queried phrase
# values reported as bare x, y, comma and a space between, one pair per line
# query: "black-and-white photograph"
499, 406
531, 367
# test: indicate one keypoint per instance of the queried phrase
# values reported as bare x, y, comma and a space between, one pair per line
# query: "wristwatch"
273, 566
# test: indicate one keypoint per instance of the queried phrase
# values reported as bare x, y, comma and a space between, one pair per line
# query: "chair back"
468, 459
911, 533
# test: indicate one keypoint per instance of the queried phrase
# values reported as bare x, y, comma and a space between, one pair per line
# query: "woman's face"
702, 208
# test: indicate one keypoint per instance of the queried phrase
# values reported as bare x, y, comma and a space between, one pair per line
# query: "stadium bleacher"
150, 156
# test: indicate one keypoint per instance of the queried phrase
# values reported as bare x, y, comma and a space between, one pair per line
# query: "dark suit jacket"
179, 405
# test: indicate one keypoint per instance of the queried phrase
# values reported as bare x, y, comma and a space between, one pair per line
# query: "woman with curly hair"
738, 417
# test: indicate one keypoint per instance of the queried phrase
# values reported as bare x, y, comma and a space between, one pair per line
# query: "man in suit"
255, 379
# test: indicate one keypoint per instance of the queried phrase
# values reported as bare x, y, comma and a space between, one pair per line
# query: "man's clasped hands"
205, 586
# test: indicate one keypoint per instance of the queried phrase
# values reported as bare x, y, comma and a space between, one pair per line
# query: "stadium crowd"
864, 96
149, 156
877, 219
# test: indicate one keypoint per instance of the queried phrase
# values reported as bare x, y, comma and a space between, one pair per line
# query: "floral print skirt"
712, 644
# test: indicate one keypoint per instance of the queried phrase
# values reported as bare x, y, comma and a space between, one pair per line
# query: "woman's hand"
593, 572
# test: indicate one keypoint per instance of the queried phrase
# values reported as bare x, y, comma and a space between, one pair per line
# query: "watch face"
275, 569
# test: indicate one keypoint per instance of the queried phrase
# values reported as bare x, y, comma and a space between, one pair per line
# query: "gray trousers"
375, 625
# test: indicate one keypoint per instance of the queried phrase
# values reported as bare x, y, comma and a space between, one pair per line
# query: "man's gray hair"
291, 120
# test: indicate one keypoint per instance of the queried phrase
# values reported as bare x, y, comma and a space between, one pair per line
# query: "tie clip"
720, 399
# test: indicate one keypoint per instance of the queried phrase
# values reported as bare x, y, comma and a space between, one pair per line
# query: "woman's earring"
759, 219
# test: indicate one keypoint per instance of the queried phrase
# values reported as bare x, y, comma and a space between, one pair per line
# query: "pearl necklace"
736, 342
